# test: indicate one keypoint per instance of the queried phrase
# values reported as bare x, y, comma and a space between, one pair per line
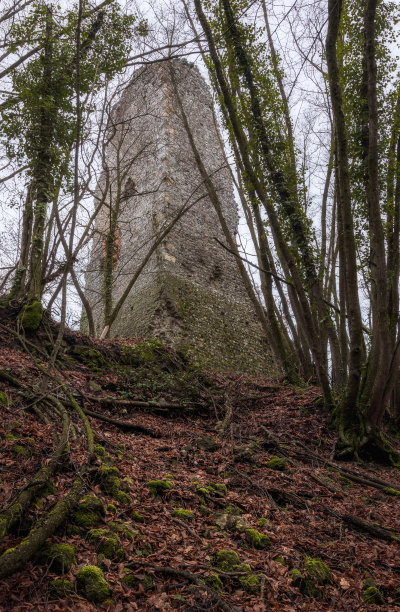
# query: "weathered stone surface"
190, 293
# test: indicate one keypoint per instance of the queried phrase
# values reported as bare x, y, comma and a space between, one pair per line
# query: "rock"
256, 539
61, 588
230, 522
181, 513
92, 585
89, 512
59, 557
208, 444
276, 463
158, 487
250, 583
107, 543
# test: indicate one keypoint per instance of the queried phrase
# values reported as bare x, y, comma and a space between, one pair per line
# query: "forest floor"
333, 529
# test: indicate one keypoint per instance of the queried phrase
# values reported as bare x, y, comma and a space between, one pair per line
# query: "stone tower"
189, 294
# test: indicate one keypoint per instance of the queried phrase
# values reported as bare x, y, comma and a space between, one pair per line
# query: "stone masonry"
190, 294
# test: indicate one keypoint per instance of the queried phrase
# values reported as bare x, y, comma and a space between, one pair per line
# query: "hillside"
203, 492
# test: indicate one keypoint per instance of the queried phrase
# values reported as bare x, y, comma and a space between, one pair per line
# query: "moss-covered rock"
256, 539
126, 530
158, 487
130, 579
230, 521
99, 450
107, 543
317, 570
110, 483
61, 588
276, 463
89, 356
22, 451
371, 594
250, 583
92, 585
31, 316
215, 583
59, 557
211, 489
137, 517
208, 444
89, 512
297, 578
227, 560
181, 513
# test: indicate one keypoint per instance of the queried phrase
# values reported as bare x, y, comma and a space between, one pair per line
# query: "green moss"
111, 508
3, 399
372, 595
59, 557
130, 579
12, 425
61, 588
145, 550
256, 539
49, 489
215, 583
276, 463
392, 492
250, 583
91, 584
107, 543
227, 560
10, 436
306, 586
317, 570
137, 517
280, 559
183, 514
90, 357
89, 512
94, 504
22, 451
125, 528
262, 522
158, 487
212, 489
99, 450
7, 552
122, 497
148, 582
85, 518
31, 316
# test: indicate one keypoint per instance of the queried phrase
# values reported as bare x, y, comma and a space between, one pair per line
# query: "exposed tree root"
14, 559
124, 425
377, 531
33, 488
282, 447
190, 577
111, 401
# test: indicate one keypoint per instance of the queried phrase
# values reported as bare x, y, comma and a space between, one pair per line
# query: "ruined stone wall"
190, 294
